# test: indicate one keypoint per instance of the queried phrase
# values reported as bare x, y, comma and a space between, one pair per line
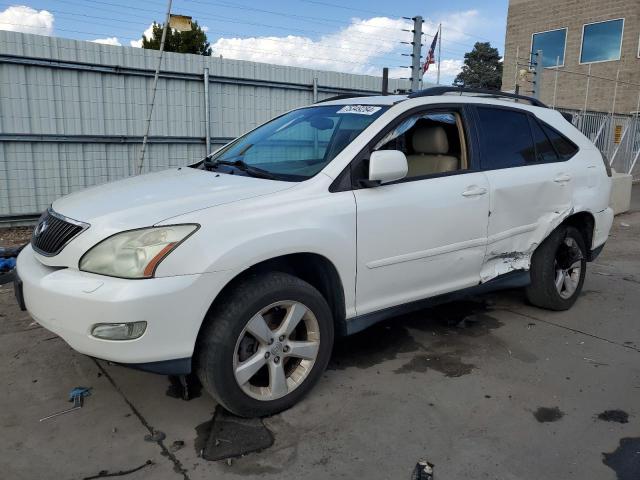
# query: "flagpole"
439, 50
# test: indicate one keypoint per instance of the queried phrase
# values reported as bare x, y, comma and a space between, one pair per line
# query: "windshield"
299, 144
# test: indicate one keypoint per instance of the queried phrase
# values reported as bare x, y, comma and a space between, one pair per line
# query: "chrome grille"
53, 232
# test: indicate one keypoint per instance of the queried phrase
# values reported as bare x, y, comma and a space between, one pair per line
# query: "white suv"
329, 218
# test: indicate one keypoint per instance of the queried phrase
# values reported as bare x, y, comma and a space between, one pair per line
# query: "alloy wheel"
568, 267
276, 350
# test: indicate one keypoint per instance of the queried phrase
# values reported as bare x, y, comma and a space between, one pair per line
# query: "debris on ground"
232, 436
624, 224
120, 473
76, 396
548, 414
8, 256
156, 436
175, 446
186, 387
618, 416
422, 471
7, 264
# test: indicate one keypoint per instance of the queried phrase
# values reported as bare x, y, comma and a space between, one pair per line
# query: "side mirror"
387, 166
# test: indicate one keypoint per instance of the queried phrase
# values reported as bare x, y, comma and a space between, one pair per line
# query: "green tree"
482, 68
194, 41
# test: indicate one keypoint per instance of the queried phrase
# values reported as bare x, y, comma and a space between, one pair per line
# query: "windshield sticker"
359, 109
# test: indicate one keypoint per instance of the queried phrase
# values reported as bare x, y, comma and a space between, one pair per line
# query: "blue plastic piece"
7, 264
79, 392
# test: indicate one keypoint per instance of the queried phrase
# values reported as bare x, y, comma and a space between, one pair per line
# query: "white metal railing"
617, 136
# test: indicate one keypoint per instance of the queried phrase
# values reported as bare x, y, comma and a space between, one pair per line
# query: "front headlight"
135, 253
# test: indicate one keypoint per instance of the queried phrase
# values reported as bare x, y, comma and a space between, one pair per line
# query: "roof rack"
343, 96
433, 91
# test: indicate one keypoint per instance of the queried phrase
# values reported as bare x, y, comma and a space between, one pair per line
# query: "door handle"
474, 191
562, 178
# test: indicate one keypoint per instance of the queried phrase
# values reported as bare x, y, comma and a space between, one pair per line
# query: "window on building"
602, 41
552, 44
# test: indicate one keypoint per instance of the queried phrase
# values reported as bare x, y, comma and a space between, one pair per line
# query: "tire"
229, 344
563, 250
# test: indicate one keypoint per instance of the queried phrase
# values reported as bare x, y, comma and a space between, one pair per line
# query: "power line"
376, 38
376, 52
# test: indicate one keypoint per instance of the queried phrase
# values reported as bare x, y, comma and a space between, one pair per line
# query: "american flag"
431, 54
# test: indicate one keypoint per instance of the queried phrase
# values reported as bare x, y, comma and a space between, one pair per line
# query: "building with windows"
576, 37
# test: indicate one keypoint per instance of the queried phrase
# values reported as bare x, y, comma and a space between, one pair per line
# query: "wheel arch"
313, 268
585, 223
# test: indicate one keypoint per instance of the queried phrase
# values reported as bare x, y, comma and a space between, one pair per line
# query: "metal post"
537, 75
385, 81
315, 89
416, 54
555, 83
207, 117
636, 118
155, 87
586, 93
615, 92
439, 51
516, 86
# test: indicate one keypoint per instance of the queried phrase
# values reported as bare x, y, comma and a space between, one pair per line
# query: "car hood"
148, 199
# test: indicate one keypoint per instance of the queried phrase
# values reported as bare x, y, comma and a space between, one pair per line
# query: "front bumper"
69, 302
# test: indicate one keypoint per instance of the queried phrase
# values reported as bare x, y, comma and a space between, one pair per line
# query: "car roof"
439, 94
372, 100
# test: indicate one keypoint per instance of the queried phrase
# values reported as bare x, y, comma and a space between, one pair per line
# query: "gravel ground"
15, 236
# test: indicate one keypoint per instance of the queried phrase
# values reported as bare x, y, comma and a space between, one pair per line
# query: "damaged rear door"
530, 185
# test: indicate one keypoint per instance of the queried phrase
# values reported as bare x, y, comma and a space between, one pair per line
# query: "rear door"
530, 185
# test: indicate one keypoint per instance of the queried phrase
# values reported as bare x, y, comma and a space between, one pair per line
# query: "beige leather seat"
431, 147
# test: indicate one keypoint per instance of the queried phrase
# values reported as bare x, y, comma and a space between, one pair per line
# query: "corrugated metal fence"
72, 113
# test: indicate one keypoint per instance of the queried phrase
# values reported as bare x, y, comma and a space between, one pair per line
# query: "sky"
358, 36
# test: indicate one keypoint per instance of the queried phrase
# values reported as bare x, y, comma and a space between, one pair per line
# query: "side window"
544, 150
505, 138
565, 148
432, 141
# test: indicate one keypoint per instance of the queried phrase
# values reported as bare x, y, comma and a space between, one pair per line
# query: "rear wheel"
266, 345
558, 269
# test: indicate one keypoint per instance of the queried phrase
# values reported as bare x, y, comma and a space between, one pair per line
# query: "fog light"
119, 331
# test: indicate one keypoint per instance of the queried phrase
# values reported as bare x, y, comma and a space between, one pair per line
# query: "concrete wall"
526, 17
72, 113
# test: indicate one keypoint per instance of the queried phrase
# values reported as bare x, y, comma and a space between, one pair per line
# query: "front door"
426, 234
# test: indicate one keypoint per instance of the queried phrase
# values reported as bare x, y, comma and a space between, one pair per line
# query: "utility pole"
416, 55
155, 87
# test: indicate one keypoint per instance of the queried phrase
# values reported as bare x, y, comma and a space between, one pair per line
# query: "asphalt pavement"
486, 388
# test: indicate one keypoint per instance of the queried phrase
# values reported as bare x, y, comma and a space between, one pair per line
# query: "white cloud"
362, 47
449, 68
108, 41
352, 49
20, 18
148, 33
454, 26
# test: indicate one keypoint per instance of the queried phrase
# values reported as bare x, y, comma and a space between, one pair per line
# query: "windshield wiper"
242, 165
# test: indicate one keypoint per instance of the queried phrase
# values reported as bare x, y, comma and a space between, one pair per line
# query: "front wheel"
558, 269
266, 345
